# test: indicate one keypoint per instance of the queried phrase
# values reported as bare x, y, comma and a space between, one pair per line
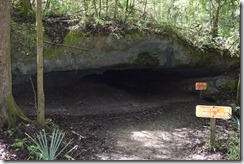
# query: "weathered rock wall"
100, 53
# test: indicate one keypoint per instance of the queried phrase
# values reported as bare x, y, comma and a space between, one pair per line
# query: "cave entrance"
144, 81
112, 91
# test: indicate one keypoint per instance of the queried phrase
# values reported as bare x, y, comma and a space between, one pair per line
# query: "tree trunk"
215, 19
106, 8
48, 2
100, 8
10, 112
215, 22
132, 7
126, 10
115, 9
85, 6
40, 91
145, 7
238, 92
95, 7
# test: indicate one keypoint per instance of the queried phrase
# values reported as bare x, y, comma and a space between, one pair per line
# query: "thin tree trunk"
145, 7
210, 12
95, 7
10, 112
40, 91
100, 8
215, 19
215, 22
106, 8
126, 10
115, 9
47, 4
85, 4
238, 91
132, 5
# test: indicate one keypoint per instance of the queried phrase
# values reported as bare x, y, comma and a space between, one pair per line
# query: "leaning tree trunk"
10, 112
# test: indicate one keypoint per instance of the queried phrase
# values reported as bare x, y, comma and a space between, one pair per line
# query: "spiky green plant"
46, 151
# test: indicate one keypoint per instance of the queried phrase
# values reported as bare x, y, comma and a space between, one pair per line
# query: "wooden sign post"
200, 86
213, 112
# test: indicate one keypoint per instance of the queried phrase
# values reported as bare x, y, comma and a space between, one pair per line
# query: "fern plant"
43, 149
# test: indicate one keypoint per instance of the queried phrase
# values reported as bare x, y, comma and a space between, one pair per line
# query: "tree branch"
34, 91
57, 44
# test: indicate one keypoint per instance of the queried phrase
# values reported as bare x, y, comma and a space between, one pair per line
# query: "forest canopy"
212, 23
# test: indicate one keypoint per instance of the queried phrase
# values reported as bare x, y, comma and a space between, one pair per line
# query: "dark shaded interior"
132, 79
112, 90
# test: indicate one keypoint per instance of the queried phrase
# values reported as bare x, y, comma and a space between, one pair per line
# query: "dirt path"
171, 132
148, 122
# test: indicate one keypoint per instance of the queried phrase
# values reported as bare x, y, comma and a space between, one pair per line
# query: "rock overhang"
123, 53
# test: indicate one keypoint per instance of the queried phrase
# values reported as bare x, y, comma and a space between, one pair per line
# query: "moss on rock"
231, 85
147, 60
227, 83
73, 38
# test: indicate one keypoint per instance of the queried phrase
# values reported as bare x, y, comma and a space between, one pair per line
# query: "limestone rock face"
132, 51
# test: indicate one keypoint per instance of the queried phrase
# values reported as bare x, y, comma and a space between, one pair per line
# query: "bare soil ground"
125, 119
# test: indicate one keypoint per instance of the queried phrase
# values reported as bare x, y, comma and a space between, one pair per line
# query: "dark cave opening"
99, 91
133, 79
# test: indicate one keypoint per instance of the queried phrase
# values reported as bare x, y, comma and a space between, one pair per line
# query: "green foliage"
34, 152
24, 35
19, 143
234, 145
45, 149
234, 150
236, 115
231, 85
10, 131
24, 8
192, 19
234, 140
59, 8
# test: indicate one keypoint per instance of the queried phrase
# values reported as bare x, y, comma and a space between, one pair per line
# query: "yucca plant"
46, 151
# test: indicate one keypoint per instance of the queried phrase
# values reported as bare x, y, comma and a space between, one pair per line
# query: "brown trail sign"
200, 86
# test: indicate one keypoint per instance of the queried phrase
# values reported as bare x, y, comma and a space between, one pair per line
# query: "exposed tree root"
14, 114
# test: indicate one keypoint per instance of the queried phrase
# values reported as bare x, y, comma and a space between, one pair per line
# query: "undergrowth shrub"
45, 148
